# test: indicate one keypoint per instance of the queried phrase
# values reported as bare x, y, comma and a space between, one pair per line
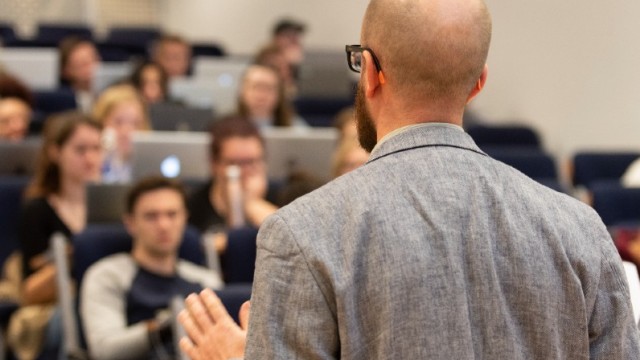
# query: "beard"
367, 134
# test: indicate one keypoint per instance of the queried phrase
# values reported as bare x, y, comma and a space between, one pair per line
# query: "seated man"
173, 53
124, 297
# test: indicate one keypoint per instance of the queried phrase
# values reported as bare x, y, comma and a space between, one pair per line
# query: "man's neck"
161, 265
397, 114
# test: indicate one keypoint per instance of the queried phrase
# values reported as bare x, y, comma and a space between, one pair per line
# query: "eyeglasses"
354, 57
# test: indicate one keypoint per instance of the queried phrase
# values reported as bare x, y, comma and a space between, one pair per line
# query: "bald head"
433, 49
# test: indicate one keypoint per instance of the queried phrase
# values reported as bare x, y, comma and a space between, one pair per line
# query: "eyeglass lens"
356, 60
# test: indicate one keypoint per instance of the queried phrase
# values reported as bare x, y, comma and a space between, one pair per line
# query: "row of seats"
120, 44
317, 112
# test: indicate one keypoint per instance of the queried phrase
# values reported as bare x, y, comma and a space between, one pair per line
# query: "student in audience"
79, 61
121, 110
70, 158
287, 37
273, 56
173, 53
125, 297
348, 156
15, 108
262, 99
234, 141
151, 81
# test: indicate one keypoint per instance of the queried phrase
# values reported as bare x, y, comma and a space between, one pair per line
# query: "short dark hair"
228, 127
150, 184
288, 24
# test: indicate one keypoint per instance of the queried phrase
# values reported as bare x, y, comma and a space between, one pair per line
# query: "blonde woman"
121, 111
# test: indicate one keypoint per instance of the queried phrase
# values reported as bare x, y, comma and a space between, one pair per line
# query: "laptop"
309, 150
36, 67
181, 155
177, 117
324, 74
224, 76
19, 158
106, 203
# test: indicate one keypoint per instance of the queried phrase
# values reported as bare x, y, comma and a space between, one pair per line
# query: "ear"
372, 78
479, 85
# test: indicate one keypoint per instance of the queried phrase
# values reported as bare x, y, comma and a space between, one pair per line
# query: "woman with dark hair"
70, 158
78, 63
15, 108
151, 81
262, 99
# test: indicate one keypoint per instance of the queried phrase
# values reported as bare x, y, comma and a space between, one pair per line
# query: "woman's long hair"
58, 130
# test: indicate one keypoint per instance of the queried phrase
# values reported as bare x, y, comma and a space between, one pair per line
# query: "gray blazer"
433, 250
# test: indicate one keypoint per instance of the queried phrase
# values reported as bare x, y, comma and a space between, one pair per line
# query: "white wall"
568, 67
242, 26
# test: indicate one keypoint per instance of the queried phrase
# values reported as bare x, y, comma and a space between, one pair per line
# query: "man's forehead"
157, 199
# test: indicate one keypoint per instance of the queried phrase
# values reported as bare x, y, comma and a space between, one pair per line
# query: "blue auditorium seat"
233, 296
135, 40
11, 195
7, 34
616, 204
239, 259
508, 135
589, 167
206, 49
319, 112
52, 34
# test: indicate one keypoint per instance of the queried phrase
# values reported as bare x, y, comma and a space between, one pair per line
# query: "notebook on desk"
182, 155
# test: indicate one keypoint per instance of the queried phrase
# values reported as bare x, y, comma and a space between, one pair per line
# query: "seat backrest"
614, 203
53, 101
101, 240
512, 135
135, 40
233, 296
532, 162
52, 34
239, 259
207, 49
596, 166
7, 34
11, 191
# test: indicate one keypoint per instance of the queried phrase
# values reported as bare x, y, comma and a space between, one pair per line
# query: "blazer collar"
425, 136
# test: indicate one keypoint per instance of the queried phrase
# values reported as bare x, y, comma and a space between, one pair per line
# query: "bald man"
432, 250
